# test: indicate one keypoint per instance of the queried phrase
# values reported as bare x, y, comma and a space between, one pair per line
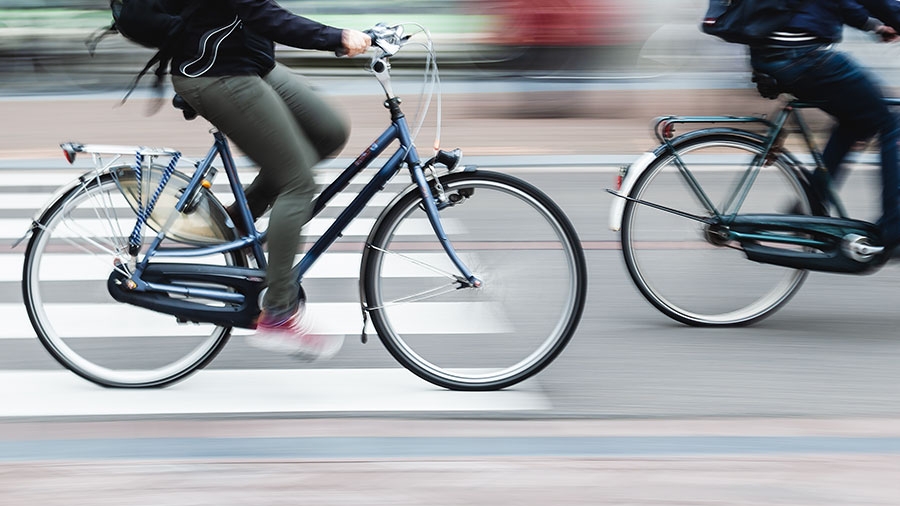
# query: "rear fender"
634, 171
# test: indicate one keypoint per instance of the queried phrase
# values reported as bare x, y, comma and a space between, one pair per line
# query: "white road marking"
14, 228
62, 393
57, 178
124, 320
35, 201
82, 267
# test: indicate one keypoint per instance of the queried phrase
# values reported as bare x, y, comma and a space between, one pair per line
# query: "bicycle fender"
37, 218
632, 173
63, 190
639, 166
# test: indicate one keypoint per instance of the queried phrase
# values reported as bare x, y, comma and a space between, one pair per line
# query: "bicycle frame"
664, 130
406, 153
128, 284
772, 141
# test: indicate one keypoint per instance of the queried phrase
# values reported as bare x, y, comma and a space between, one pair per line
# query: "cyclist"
801, 59
225, 69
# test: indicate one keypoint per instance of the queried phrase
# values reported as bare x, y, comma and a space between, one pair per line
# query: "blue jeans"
843, 89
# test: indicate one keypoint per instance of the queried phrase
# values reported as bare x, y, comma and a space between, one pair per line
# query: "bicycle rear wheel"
514, 239
680, 264
69, 258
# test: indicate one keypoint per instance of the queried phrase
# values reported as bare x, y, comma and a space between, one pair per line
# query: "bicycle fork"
467, 280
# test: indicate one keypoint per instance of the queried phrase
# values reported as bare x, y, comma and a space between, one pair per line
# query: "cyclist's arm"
826, 18
854, 13
284, 27
888, 11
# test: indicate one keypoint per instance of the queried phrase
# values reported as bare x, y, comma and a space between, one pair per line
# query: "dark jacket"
237, 37
825, 19
888, 11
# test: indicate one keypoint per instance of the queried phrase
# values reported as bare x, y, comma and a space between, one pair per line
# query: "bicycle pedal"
859, 248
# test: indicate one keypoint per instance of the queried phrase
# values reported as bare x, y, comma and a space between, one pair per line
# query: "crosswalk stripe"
333, 318
55, 177
61, 393
14, 228
35, 201
59, 267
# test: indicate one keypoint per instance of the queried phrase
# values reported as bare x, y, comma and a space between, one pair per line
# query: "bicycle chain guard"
194, 281
818, 243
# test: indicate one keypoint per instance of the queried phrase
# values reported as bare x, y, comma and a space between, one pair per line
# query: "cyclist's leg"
889, 224
855, 99
256, 119
846, 91
327, 127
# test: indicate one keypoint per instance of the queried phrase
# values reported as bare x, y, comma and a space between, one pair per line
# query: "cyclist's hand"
887, 33
355, 42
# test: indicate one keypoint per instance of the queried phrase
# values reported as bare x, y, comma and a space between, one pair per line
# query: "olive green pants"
285, 128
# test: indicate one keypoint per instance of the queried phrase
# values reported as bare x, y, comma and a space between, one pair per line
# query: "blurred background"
42, 42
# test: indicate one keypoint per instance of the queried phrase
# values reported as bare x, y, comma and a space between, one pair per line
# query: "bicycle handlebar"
388, 39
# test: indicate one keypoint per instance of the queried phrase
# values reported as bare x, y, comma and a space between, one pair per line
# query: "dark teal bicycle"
135, 275
702, 235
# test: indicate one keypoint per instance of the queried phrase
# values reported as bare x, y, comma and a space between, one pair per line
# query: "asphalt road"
814, 386
830, 351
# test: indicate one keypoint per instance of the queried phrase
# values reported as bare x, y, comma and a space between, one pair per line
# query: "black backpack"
154, 24
150, 23
747, 21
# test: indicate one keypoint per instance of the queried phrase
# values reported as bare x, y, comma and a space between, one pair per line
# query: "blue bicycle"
473, 280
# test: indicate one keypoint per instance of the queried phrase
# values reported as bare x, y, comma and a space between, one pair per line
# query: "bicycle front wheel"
75, 246
517, 242
681, 265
